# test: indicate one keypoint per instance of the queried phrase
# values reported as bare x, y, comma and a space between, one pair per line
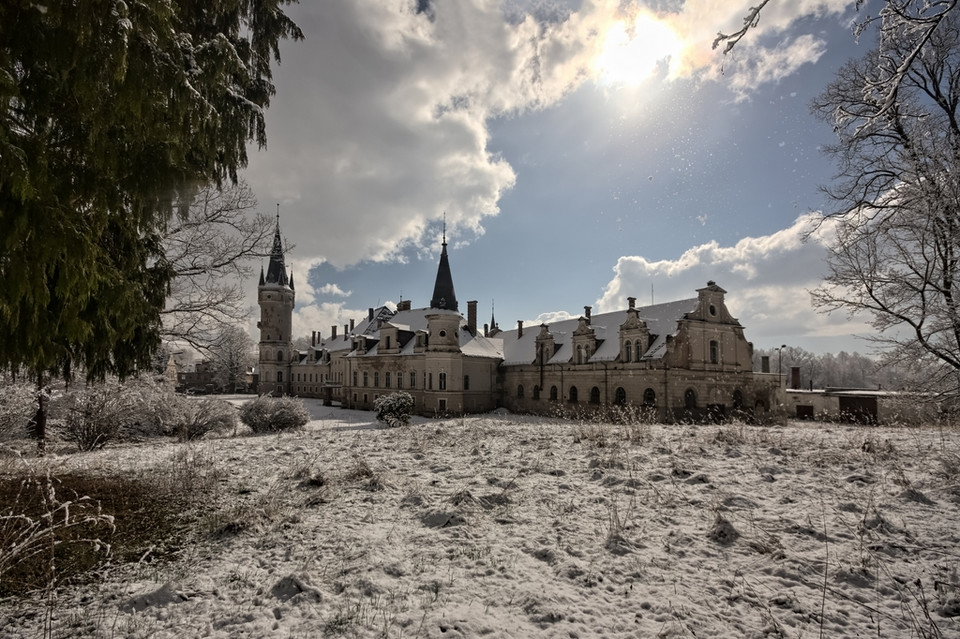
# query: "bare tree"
896, 257
905, 27
210, 247
232, 354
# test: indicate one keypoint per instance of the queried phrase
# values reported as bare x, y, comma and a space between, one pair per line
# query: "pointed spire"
277, 270
444, 297
291, 279
262, 282
493, 319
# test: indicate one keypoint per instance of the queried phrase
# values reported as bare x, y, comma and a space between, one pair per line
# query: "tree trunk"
40, 419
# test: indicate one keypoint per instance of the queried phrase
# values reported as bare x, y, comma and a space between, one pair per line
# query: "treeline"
845, 370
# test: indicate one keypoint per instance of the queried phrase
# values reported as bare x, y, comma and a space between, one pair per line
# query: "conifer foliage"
110, 111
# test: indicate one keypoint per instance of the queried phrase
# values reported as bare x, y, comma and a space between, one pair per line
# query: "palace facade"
686, 359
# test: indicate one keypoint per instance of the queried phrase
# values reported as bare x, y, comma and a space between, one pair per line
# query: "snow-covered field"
514, 526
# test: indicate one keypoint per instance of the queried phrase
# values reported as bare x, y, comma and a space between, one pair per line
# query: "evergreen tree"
110, 111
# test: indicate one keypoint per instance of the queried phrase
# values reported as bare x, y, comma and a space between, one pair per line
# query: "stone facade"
687, 359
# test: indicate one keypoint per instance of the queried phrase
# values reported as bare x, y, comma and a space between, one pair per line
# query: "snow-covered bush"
394, 409
268, 414
207, 415
18, 404
96, 414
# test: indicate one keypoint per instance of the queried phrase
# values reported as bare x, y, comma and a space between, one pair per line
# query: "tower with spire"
275, 296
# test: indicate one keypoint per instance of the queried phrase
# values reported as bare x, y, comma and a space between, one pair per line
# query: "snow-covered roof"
661, 320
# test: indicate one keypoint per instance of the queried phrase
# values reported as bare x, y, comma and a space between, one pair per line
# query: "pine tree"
110, 111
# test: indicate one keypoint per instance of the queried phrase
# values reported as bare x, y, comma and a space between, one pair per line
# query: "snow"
515, 526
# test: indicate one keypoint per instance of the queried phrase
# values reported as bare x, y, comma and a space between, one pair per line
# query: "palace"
686, 359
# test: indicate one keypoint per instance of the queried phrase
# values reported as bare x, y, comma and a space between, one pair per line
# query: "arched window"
386, 379
442, 380
279, 356
279, 376
595, 395
536, 392
737, 399
573, 394
579, 354
553, 393
649, 397
714, 352
520, 391
690, 399
366, 378
627, 351
639, 346
620, 396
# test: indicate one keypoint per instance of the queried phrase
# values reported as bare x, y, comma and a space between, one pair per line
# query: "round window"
713, 309
443, 333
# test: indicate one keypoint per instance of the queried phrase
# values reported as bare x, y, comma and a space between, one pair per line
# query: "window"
399, 380
386, 379
553, 393
442, 405
442, 381
376, 379
413, 379
573, 394
627, 351
639, 346
520, 391
279, 376
388, 341
690, 399
595, 395
649, 397
536, 392
466, 382
579, 354
430, 381
279, 356
620, 396
714, 352
366, 379
355, 383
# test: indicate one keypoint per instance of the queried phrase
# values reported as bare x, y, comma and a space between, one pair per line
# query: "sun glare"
631, 54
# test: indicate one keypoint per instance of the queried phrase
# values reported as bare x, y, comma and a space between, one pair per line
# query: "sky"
580, 152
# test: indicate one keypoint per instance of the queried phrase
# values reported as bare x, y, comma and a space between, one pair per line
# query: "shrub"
96, 414
394, 409
268, 414
205, 416
18, 404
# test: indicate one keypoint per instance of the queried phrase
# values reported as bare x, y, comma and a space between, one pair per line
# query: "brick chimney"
472, 316
519, 329
313, 338
351, 326
370, 314
333, 332
586, 313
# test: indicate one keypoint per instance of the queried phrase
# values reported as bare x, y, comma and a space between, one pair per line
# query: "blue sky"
571, 172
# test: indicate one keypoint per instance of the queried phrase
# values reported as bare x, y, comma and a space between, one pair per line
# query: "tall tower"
275, 295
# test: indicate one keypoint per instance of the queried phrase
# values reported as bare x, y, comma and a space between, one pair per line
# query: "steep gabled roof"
661, 319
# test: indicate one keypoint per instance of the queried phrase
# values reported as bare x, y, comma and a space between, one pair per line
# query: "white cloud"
333, 289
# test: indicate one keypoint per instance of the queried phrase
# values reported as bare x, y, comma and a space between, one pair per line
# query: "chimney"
403, 305
333, 332
351, 326
764, 363
586, 313
472, 316
313, 338
346, 331
370, 314
519, 329
795, 377
632, 302
486, 330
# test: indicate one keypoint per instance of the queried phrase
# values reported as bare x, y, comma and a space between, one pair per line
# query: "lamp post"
780, 364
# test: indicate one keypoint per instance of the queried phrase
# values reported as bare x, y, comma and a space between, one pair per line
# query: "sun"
632, 53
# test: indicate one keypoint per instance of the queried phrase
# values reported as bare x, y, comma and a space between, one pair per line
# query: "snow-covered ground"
515, 526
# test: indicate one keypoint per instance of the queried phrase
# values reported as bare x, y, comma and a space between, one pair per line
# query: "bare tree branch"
212, 246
